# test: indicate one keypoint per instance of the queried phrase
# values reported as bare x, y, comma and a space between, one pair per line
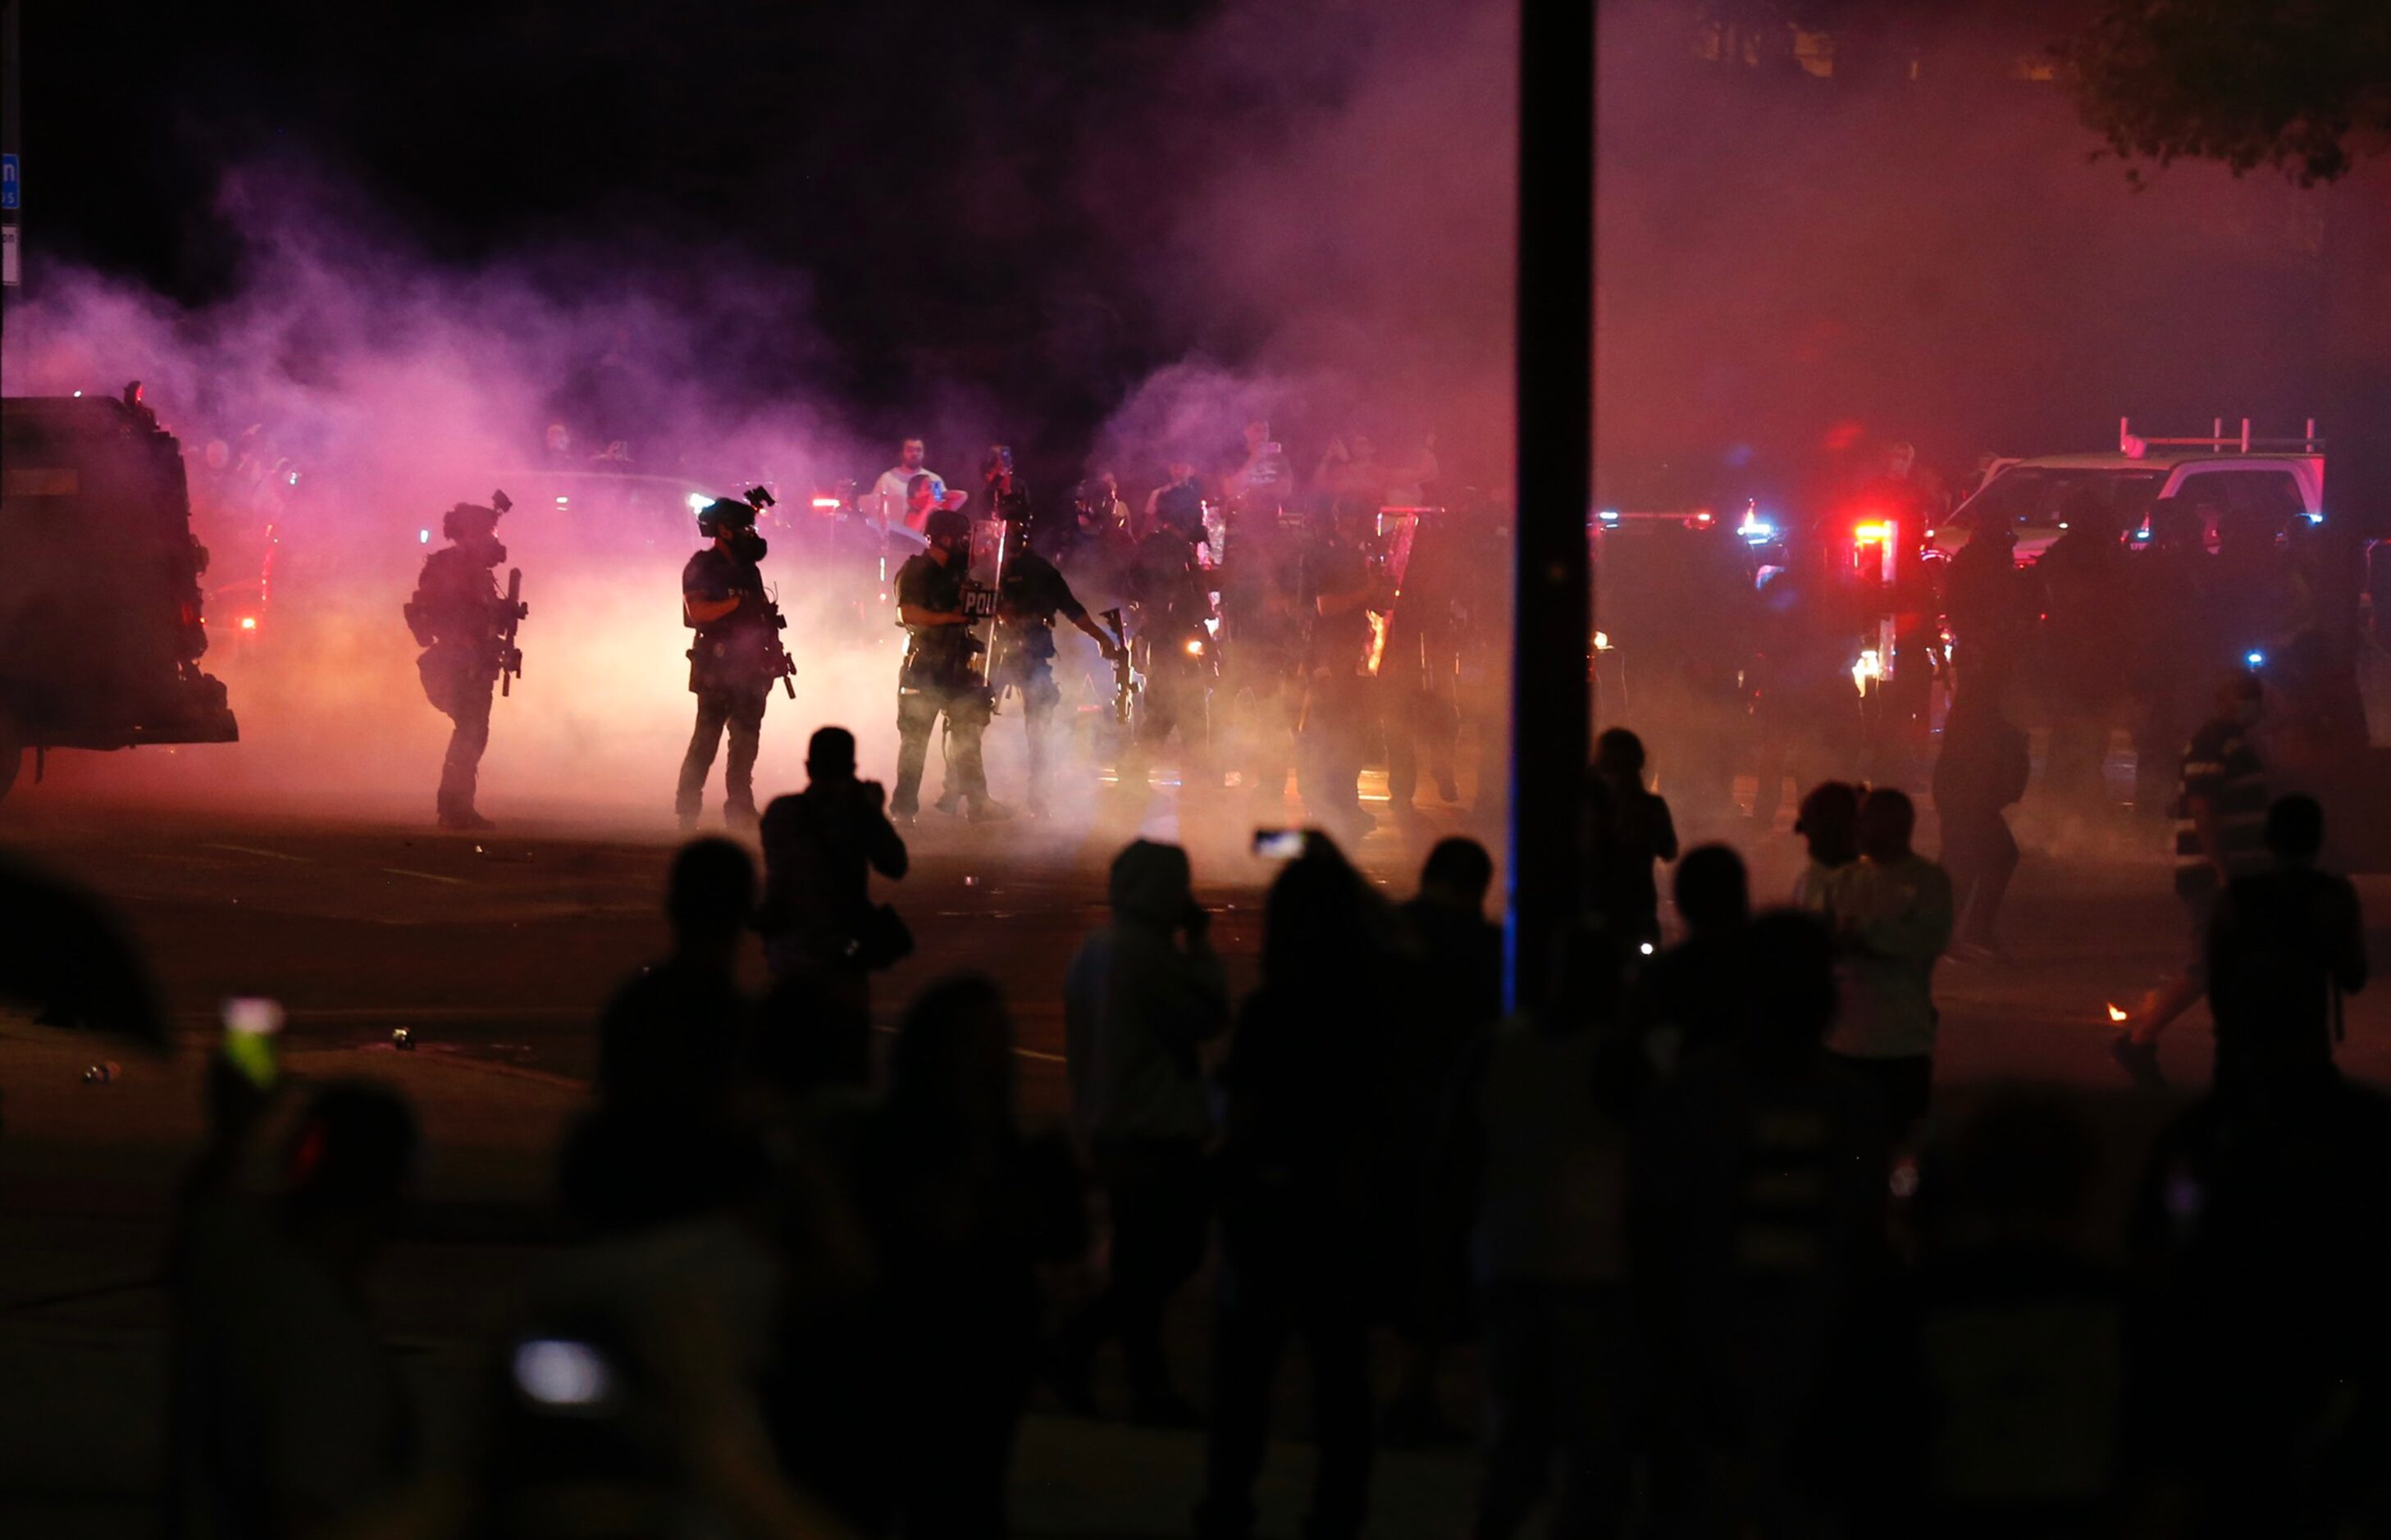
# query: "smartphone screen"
1278, 844
249, 1025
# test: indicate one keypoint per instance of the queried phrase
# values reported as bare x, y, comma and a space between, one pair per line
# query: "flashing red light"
826, 505
1703, 517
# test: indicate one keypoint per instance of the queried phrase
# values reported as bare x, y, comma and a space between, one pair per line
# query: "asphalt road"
495, 953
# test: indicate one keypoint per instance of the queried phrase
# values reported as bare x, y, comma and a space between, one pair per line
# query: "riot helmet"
724, 516
946, 524
468, 520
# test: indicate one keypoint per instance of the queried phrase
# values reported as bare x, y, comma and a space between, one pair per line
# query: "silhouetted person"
1890, 913
2178, 647
962, 1210
2084, 582
2005, 1426
291, 1418
1461, 950
1460, 973
1696, 992
823, 934
1756, 1207
2220, 835
2260, 1353
670, 1041
1143, 995
1550, 1119
1635, 835
1303, 1097
2286, 945
1982, 770
1828, 824
1986, 601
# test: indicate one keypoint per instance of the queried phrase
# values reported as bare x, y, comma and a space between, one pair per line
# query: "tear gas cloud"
1306, 214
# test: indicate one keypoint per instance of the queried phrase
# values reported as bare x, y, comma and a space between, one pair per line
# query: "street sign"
10, 189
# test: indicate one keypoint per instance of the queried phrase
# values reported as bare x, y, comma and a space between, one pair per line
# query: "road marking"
270, 854
428, 876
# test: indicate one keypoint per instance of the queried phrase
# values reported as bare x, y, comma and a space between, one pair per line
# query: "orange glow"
2117, 1011
249, 623
1874, 530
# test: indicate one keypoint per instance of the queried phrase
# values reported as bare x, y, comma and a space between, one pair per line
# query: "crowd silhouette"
1722, 1263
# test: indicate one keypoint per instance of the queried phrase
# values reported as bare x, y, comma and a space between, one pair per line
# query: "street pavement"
494, 952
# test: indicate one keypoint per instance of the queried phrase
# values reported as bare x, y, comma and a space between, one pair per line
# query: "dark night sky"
912, 159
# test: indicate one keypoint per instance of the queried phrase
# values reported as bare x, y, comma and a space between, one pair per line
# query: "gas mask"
485, 549
747, 545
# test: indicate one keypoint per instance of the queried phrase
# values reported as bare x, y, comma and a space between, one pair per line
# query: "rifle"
1124, 674
510, 655
778, 662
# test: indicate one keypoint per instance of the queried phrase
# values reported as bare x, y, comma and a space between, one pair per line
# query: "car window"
2272, 494
2039, 496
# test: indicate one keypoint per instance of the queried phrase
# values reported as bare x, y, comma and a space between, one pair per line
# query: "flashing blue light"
424, 537
2315, 518
1609, 515
1758, 531
2255, 659
2141, 534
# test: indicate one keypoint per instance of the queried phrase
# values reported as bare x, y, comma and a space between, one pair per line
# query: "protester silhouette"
1828, 822
2260, 1356
1306, 1096
1890, 913
1982, 770
1632, 834
291, 1418
823, 935
1142, 997
1756, 1221
2221, 801
2286, 945
671, 1040
1550, 1118
963, 1211
1459, 954
1696, 992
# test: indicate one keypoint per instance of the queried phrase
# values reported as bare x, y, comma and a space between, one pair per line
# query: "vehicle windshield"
2040, 497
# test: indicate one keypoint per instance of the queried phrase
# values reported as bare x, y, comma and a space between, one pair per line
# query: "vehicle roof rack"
2219, 443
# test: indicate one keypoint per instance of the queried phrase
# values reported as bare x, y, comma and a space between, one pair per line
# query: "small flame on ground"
2117, 1011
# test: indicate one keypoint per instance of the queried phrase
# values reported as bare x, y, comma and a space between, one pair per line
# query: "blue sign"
8, 190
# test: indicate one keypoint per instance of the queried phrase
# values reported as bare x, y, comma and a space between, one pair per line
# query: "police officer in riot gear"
1177, 650
939, 676
1028, 595
460, 618
733, 664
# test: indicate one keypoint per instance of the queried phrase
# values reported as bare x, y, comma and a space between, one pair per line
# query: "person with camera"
735, 661
459, 619
939, 677
823, 936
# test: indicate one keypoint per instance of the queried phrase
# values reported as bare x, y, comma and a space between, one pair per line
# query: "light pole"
1552, 616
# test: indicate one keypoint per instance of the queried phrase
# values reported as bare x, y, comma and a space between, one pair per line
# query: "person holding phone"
1143, 997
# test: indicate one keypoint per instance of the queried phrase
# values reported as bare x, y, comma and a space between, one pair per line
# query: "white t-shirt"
889, 493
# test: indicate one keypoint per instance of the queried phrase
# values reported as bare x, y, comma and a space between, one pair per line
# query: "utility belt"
933, 662
724, 658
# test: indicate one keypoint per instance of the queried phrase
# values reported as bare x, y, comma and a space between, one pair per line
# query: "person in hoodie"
1142, 994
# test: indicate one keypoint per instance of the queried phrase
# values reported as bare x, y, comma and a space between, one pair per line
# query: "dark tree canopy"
2303, 85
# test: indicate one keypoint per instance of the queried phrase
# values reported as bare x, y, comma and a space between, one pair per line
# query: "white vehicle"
2280, 479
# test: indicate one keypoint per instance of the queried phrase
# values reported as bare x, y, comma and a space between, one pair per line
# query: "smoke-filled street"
1215, 769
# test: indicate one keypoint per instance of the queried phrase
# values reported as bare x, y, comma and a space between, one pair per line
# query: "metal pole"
1552, 622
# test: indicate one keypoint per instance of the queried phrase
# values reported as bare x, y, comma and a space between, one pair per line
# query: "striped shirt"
2220, 767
